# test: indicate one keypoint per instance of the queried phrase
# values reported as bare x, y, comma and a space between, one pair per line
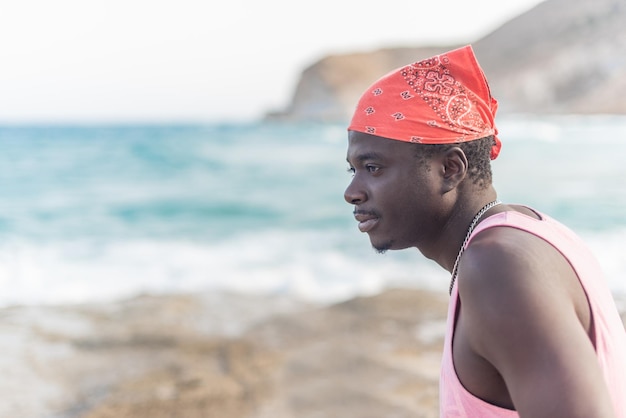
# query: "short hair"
478, 153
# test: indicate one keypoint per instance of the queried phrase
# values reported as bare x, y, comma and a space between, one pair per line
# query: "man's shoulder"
508, 253
510, 266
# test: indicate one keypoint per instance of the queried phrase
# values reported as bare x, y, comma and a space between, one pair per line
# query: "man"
532, 327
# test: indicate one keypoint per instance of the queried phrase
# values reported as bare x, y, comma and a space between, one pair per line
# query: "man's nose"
354, 193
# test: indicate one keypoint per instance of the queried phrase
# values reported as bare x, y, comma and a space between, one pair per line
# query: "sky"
201, 60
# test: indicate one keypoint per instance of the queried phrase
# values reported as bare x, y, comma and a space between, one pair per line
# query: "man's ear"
454, 164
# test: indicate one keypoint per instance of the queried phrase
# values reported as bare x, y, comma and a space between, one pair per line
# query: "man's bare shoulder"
522, 310
503, 261
519, 275
504, 272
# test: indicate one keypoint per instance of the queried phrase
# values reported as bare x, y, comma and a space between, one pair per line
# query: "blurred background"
159, 149
156, 147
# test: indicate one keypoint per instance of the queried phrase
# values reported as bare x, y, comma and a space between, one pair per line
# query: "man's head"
420, 139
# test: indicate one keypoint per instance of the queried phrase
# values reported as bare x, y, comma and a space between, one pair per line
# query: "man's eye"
371, 168
350, 170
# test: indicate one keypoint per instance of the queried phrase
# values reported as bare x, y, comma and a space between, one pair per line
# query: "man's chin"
382, 248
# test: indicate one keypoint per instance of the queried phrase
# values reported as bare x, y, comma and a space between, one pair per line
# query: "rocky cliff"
562, 56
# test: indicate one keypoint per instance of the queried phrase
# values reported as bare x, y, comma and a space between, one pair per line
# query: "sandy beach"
225, 355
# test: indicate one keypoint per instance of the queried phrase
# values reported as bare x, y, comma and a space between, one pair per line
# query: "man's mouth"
366, 220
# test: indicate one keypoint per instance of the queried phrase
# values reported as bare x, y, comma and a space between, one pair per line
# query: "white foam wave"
303, 264
308, 265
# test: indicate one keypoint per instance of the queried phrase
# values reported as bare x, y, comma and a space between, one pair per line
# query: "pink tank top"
457, 402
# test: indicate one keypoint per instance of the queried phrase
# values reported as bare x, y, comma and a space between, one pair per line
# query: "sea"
94, 213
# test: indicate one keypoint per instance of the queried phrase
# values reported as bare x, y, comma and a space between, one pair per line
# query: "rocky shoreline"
224, 355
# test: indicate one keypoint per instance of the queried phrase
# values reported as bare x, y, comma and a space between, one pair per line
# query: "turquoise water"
102, 212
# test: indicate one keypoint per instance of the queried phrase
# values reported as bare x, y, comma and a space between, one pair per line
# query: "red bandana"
439, 100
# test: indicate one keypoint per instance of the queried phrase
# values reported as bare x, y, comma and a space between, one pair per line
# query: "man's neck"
455, 229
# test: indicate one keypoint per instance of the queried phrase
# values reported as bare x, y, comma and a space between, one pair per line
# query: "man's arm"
521, 306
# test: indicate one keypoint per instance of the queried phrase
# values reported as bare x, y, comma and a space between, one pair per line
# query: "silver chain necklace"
467, 236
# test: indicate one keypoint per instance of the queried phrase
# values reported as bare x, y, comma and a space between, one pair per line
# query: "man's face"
396, 197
